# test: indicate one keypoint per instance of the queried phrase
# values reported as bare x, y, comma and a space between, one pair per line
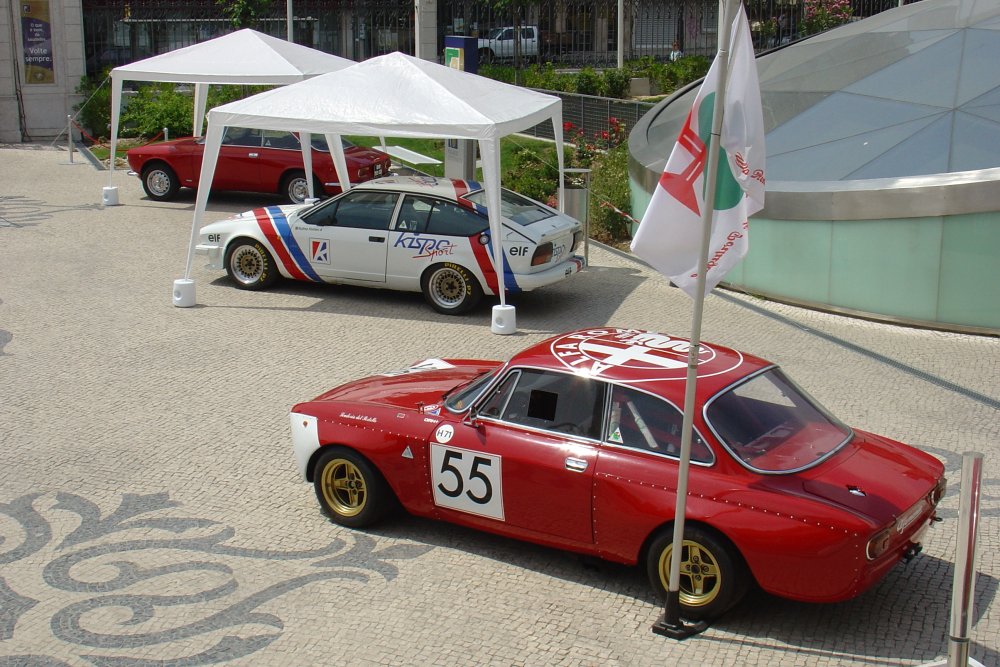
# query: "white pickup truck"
499, 43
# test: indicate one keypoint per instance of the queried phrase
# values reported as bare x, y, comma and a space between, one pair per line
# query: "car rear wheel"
160, 182
350, 490
451, 289
250, 265
713, 574
295, 188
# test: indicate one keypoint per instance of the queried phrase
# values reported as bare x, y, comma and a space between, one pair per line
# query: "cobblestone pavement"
150, 511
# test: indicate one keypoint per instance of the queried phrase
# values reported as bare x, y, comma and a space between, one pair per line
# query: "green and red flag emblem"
669, 235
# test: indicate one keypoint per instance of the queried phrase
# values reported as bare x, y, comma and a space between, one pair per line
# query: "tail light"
938, 493
543, 254
879, 544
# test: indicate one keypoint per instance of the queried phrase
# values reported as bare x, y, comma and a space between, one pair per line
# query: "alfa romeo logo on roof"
646, 355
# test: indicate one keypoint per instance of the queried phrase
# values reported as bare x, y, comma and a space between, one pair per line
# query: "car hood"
172, 143
873, 476
411, 388
249, 217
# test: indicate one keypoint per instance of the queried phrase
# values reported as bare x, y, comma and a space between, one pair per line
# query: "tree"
244, 13
515, 7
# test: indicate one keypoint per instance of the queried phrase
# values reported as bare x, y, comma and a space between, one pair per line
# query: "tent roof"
245, 56
394, 95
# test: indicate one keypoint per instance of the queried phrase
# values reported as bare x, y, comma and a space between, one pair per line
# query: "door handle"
377, 239
252, 155
576, 465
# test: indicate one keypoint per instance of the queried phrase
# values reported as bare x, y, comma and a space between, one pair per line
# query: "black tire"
350, 490
714, 576
450, 288
486, 57
159, 181
295, 189
250, 265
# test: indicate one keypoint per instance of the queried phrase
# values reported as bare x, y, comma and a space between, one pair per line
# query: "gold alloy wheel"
344, 487
701, 577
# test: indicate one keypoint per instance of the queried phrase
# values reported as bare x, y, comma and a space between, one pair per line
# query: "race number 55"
467, 481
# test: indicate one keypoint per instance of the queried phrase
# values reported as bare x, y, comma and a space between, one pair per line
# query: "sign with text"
36, 37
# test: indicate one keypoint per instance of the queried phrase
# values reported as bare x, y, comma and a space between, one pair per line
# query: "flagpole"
670, 623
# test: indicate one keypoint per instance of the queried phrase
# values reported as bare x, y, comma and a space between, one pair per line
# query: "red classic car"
574, 443
251, 160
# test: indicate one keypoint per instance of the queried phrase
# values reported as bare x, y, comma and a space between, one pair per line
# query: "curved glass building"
883, 168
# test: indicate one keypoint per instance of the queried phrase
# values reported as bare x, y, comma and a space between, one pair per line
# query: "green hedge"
612, 82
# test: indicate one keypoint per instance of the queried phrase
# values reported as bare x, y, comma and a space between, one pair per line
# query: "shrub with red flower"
821, 15
588, 148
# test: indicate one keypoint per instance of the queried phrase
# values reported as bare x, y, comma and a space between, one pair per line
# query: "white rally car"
404, 233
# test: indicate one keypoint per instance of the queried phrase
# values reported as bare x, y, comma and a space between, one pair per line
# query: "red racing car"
250, 160
574, 443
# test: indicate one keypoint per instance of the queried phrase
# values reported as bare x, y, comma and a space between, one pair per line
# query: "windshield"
772, 426
514, 207
459, 400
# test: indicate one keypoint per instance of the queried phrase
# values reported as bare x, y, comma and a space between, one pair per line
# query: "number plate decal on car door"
467, 481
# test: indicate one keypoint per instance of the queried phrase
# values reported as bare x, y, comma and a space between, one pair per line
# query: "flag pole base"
679, 629
670, 624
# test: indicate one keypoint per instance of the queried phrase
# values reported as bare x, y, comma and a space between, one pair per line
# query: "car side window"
278, 139
452, 220
414, 213
556, 402
643, 421
357, 210
497, 399
241, 136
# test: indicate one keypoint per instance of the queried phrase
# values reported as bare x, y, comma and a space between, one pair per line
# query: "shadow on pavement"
874, 628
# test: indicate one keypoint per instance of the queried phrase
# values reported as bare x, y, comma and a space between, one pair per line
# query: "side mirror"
471, 419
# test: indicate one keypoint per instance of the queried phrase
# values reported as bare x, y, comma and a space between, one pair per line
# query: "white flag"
669, 235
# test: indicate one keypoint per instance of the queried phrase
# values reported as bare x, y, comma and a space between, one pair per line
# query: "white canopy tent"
241, 57
392, 95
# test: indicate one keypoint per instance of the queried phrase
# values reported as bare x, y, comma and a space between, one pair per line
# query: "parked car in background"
252, 160
416, 234
574, 443
499, 43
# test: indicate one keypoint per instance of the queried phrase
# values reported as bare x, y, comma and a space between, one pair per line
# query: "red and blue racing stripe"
274, 225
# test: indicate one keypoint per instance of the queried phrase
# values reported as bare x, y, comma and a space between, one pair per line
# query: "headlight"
577, 237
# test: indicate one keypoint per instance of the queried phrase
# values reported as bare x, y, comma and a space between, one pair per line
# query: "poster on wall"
36, 36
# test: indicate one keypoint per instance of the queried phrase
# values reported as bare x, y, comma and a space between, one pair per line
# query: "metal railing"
574, 32
587, 116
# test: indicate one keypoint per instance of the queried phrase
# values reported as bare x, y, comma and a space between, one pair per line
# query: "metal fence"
587, 116
117, 32
574, 32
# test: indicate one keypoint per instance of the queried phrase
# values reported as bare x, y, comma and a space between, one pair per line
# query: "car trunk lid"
873, 479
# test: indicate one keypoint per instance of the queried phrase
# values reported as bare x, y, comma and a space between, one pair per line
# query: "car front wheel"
349, 488
451, 289
713, 574
250, 265
160, 182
